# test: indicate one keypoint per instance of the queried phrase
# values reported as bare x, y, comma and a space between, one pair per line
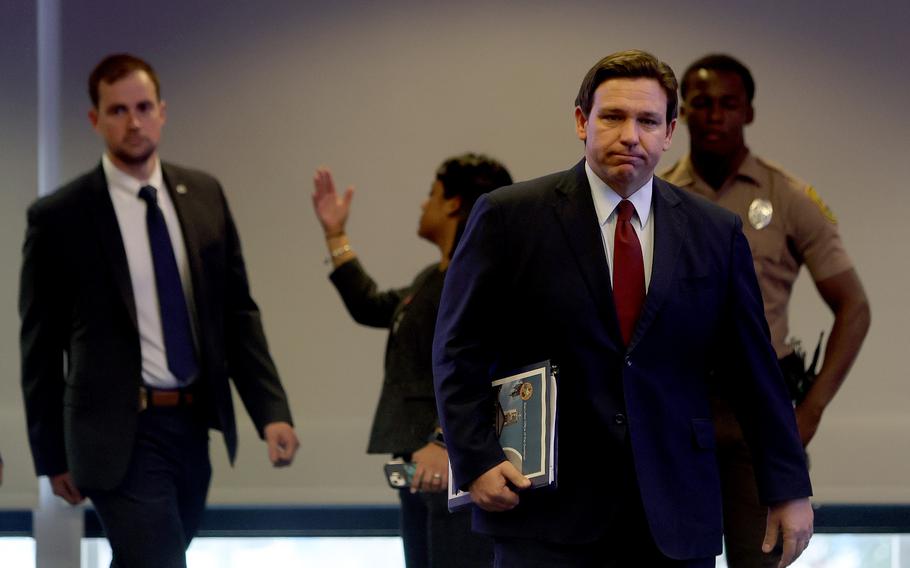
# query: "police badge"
760, 212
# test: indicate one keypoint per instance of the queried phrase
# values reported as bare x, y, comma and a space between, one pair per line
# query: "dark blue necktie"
175, 318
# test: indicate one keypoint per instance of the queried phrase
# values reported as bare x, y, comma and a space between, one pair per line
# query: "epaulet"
806, 188
822, 206
794, 181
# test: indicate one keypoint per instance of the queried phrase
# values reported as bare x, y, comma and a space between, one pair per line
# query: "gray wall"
261, 93
18, 187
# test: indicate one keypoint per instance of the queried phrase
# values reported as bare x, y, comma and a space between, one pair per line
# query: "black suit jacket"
530, 281
406, 413
81, 362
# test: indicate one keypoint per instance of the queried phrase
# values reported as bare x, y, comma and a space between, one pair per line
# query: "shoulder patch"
816, 198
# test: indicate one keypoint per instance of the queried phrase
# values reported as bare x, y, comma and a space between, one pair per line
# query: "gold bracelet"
341, 251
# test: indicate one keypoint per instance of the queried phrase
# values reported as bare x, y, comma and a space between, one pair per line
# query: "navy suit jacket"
81, 360
530, 281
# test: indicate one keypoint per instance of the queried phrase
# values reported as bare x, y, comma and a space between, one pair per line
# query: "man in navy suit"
135, 310
644, 296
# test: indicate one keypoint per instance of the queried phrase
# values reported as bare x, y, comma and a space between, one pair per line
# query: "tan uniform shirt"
797, 228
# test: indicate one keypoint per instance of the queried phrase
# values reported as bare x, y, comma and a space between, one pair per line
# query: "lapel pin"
181, 189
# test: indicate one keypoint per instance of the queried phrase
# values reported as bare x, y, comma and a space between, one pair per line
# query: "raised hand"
331, 209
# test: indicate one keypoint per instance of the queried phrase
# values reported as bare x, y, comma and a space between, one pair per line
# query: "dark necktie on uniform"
175, 318
628, 271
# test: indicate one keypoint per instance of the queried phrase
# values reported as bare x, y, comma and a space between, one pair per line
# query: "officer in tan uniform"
787, 225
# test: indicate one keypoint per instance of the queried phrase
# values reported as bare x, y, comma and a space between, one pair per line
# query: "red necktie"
628, 271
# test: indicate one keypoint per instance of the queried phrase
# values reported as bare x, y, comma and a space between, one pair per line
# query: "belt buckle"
143, 399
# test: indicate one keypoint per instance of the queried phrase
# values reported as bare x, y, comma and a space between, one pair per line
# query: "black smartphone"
399, 473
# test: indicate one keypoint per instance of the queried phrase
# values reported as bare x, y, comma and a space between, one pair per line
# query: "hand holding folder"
495, 490
524, 418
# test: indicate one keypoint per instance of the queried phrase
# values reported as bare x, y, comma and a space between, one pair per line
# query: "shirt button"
619, 418
628, 361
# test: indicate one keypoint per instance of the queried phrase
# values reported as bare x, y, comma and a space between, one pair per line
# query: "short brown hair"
115, 67
631, 64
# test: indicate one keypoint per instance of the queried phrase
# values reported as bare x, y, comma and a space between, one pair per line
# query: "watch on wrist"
437, 438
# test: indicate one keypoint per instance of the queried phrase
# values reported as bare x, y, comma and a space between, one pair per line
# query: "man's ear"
581, 124
93, 117
750, 114
671, 128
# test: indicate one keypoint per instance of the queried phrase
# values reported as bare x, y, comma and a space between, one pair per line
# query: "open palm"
331, 209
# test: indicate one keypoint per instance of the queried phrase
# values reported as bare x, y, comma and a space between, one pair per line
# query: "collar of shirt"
606, 200
131, 212
118, 180
750, 170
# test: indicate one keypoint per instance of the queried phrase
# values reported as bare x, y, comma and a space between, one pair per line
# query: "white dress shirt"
131, 210
605, 203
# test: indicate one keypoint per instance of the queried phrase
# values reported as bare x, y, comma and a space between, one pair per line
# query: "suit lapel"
670, 227
574, 207
181, 196
105, 223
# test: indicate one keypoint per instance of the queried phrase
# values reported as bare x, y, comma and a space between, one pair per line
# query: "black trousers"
152, 516
435, 538
605, 553
626, 542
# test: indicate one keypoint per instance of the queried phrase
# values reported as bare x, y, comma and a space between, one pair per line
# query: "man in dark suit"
640, 293
135, 310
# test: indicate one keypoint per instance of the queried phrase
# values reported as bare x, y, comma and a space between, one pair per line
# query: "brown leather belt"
149, 397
